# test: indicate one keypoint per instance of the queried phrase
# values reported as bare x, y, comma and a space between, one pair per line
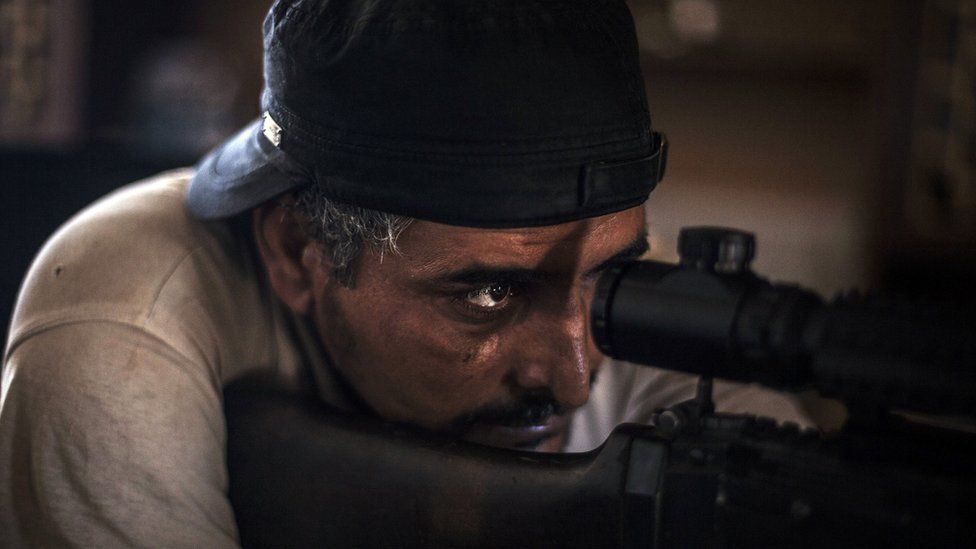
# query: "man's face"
476, 332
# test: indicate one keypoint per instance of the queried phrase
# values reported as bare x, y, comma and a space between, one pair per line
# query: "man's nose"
557, 354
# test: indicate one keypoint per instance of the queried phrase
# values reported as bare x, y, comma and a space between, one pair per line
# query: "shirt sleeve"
109, 438
654, 388
629, 393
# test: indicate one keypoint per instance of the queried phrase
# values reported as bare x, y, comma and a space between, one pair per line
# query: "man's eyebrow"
480, 274
483, 274
636, 249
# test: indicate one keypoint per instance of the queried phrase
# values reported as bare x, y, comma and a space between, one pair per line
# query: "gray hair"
345, 229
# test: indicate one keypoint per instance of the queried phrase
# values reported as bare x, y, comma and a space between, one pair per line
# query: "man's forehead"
434, 247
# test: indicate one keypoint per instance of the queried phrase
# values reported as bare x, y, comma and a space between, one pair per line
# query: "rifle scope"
711, 315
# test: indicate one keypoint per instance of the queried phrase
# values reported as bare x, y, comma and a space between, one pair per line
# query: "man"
413, 229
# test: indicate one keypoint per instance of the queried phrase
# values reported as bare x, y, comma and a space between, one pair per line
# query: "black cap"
499, 113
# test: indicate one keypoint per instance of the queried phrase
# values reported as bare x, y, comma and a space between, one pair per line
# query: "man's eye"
489, 297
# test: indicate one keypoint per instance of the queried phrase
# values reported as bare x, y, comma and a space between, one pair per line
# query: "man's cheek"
455, 373
437, 339
417, 345
475, 369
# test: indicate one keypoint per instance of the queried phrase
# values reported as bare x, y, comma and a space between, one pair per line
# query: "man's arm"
109, 438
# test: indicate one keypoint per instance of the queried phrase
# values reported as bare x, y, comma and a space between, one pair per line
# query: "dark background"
841, 132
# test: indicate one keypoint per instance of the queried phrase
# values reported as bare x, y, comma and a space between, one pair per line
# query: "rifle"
304, 475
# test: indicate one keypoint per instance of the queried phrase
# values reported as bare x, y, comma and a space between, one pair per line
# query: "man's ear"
296, 264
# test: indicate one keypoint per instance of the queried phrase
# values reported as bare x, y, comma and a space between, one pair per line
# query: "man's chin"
543, 437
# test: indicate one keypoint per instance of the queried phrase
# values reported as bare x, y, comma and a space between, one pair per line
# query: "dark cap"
494, 113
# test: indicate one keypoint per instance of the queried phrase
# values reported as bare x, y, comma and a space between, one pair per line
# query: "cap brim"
243, 172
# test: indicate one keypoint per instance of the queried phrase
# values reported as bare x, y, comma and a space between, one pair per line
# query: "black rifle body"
306, 476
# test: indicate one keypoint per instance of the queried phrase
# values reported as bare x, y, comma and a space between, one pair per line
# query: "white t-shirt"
131, 321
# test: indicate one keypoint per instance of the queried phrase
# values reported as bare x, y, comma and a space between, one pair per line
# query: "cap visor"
238, 175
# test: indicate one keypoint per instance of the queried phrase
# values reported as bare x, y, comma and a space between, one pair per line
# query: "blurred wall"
842, 133
95, 94
769, 107
787, 160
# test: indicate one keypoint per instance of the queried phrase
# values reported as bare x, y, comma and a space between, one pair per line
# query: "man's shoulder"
121, 222
120, 257
110, 363
161, 196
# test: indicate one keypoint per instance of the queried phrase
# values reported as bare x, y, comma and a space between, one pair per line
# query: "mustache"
531, 409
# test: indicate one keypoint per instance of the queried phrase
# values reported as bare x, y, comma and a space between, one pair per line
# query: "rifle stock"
304, 475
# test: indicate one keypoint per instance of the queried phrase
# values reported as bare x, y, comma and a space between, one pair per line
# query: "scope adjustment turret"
716, 249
